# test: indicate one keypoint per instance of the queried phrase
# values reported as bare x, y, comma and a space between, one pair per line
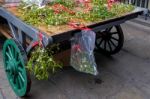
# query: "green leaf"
42, 64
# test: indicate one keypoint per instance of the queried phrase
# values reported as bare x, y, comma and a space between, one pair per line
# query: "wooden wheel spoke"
109, 46
114, 39
19, 69
13, 51
10, 52
7, 54
100, 42
105, 44
13, 79
20, 81
17, 56
18, 62
109, 29
21, 76
112, 33
7, 69
113, 43
17, 82
7, 62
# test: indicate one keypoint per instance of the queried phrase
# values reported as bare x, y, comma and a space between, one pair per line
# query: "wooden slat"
5, 31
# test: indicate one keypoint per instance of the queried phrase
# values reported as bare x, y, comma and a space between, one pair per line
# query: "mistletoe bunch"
42, 63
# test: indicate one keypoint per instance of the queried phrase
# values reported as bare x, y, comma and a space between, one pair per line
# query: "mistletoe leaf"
42, 63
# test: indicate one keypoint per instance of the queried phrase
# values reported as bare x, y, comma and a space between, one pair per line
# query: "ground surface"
125, 75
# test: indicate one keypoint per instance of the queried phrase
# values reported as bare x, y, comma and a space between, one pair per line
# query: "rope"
78, 26
58, 8
77, 47
86, 4
39, 42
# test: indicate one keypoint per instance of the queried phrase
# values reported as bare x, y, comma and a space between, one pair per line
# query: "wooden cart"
21, 37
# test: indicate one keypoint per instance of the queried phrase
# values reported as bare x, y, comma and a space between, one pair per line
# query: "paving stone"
1, 96
128, 92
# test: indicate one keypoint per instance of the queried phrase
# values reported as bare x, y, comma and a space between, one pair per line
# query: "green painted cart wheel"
15, 59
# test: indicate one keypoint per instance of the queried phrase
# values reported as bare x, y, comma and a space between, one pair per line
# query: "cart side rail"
21, 31
101, 25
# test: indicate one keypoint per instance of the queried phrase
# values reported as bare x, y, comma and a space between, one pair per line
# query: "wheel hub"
13, 66
106, 35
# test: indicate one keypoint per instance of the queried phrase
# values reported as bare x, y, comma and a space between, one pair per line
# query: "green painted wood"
14, 65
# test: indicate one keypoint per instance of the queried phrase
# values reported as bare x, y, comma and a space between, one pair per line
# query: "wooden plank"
58, 30
63, 57
49, 30
5, 31
1, 1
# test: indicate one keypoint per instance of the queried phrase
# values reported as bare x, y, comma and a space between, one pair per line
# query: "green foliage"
36, 16
67, 3
42, 63
120, 8
57, 19
96, 14
46, 16
99, 2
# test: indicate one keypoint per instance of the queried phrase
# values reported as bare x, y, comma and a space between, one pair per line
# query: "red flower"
83, 1
77, 47
110, 3
58, 8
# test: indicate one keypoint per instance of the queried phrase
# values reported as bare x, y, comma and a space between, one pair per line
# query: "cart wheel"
110, 41
15, 58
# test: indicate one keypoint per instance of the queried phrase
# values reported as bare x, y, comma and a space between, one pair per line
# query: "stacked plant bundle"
60, 12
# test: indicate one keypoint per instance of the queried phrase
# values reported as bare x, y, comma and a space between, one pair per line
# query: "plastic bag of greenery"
82, 58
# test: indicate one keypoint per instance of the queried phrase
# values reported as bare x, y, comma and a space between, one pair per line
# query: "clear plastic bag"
82, 46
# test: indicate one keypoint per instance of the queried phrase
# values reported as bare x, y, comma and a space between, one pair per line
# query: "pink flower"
110, 3
83, 1
112, 0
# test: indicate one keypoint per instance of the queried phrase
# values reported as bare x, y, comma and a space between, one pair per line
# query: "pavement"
125, 75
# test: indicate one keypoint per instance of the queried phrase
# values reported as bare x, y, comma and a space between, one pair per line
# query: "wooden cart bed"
56, 30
